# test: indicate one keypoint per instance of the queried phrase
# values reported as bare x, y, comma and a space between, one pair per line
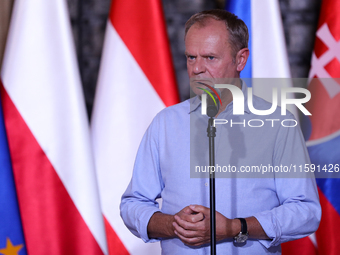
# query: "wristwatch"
243, 235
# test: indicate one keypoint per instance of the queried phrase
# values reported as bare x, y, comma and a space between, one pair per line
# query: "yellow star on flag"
10, 249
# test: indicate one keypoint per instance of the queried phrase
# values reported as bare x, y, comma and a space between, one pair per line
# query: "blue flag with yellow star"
11, 234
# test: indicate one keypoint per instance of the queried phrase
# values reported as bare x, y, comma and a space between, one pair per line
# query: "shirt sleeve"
138, 202
299, 212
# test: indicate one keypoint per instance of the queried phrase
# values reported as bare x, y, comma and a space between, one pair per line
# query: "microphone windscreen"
213, 104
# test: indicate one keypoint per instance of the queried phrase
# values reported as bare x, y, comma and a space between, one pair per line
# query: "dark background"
89, 19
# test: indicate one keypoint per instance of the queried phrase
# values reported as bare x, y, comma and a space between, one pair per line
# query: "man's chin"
202, 82
196, 90
198, 84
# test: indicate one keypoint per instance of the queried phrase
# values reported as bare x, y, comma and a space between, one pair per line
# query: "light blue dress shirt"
176, 142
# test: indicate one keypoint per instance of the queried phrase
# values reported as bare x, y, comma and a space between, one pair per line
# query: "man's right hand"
162, 225
189, 215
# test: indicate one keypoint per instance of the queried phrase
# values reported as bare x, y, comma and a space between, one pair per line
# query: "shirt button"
206, 184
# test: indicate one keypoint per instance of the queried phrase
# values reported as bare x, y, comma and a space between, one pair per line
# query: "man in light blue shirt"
175, 147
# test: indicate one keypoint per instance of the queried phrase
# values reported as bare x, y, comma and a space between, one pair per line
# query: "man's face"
209, 54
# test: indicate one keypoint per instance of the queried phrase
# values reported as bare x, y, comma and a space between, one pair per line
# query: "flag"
48, 133
268, 56
136, 81
322, 128
11, 234
268, 59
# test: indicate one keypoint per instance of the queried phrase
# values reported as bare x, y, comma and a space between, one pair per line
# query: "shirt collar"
195, 102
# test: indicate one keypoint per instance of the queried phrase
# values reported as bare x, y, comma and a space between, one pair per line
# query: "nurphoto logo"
238, 104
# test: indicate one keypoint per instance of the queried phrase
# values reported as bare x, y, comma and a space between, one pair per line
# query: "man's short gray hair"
238, 31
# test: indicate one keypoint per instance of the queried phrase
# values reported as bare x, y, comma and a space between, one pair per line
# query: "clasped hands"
192, 225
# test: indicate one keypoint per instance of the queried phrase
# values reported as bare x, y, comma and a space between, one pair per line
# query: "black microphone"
213, 105
212, 100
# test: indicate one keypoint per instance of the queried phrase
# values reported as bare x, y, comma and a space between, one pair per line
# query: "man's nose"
199, 66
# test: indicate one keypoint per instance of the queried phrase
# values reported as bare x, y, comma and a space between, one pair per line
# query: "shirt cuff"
271, 227
142, 224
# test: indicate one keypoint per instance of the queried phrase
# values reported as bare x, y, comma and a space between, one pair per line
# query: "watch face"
241, 238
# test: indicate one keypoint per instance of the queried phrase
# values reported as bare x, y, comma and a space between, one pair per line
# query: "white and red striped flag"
136, 81
48, 133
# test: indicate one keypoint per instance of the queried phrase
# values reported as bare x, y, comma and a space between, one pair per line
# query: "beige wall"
5, 13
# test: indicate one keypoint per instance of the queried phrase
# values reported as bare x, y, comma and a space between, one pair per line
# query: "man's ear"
241, 58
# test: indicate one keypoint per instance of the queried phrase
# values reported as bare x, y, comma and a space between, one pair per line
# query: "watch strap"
244, 229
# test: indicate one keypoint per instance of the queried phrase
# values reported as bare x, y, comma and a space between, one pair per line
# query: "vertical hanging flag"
136, 81
268, 54
48, 133
11, 234
322, 129
268, 59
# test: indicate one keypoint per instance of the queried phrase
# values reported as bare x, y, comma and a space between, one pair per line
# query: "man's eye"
211, 57
191, 57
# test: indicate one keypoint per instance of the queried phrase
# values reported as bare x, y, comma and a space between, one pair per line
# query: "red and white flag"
136, 81
48, 133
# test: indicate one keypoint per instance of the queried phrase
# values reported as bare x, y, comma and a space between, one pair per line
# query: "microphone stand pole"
212, 134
